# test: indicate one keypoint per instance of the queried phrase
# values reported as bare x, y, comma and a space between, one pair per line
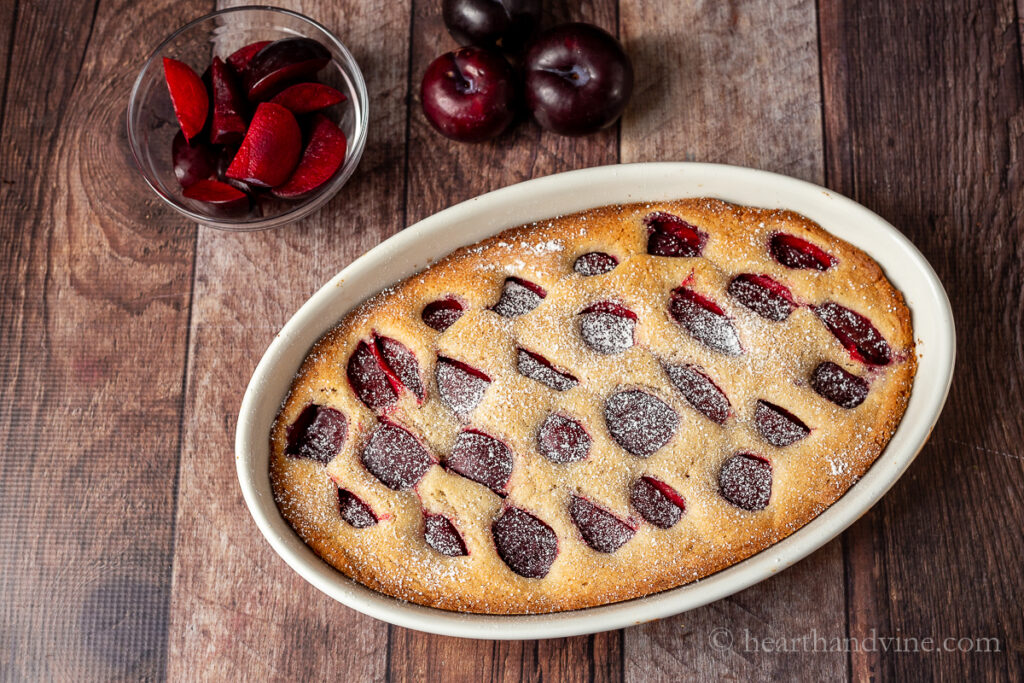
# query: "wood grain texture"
442, 173
94, 299
8, 19
928, 130
1020, 28
253, 614
734, 83
420, 657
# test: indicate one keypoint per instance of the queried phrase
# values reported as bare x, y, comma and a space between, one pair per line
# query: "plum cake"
593, 408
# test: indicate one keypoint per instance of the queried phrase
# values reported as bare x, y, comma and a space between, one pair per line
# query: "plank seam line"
408, 122
1017, 19
176, 481
846, 603
821, 93
618, 124
85, 48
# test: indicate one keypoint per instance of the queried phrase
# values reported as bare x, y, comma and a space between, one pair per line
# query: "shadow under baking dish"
432, 238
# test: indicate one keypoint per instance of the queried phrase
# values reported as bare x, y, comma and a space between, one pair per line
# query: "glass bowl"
152, 124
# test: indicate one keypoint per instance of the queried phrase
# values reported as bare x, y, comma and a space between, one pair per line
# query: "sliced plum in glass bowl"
248, 118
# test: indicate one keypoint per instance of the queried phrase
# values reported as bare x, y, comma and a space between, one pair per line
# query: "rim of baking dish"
432, 238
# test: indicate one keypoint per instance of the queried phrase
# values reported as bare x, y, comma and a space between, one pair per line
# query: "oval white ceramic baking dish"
418, 246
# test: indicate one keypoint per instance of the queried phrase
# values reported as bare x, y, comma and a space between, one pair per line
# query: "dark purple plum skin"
461, 386
601, 530
639, 422
441, 535
525, 543
489, 23
318, 433
745, 480
595, 263
700, 391
442, 314
282, 63
563, 440
192, 162
396, 457
657, 502
227, 106
578, 79
483, 459
778, 426
839, 386
855, 332
354, 511
469, 95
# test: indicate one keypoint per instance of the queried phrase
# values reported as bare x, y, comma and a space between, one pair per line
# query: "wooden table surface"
128, 336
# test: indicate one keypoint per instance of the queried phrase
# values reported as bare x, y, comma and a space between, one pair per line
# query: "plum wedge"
794, 252
324, 155
524, 542
227, 126
220, 197
442, 314
282, 62
189, 98
303, 98
240, 58
670, 235
271, 148
253, 129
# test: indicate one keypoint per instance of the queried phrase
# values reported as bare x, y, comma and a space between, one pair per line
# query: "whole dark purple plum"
578, 79
487, 23
469, 95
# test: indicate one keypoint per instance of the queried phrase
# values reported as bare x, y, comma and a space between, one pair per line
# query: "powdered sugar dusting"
709, 327
516, 299
526, 544
594, 263
603, 531
396, 457
563, 440
606, 333
555, 442
483, 459
535, 367
746, 481
639, 422
441, 535
354, 511
700, 392
460, 389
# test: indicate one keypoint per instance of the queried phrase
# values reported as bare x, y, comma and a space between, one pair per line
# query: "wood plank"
928, 130
419, 657
730, 83
1020, 28
8, 19
236, 607
469, 170
94, 289
738, 84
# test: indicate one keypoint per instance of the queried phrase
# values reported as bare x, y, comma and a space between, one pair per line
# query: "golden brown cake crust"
808, 476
